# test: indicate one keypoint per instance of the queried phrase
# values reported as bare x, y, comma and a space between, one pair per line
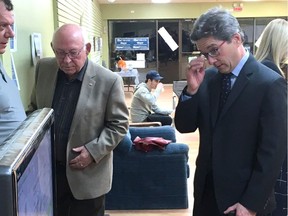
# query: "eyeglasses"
214, 52
71, 54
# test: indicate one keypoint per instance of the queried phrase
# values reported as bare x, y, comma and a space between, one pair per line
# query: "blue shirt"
11, 108
238, 68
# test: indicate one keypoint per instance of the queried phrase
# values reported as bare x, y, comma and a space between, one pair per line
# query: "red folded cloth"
148, 143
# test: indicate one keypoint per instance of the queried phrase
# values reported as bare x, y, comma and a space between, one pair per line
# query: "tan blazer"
100, 122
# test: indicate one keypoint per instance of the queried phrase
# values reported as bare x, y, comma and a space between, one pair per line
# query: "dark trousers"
67, 205
164, 119
208, 204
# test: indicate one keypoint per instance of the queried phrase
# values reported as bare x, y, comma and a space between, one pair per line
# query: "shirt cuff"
185, 95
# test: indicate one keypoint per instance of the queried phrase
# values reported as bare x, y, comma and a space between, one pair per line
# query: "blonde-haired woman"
273, 52
273, 46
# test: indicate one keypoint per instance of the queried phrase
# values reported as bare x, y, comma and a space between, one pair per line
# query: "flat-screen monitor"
27, 185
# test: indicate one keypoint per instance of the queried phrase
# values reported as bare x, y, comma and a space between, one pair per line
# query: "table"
131, 76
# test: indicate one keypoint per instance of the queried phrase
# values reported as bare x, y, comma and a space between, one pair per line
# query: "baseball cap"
153, 75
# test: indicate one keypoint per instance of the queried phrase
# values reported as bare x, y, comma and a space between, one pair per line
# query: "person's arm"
115, 123
33, 104
186, 114
160, 110
272, 147
195, 73
146, 96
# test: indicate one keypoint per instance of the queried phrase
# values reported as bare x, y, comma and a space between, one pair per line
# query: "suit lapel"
86, 90
240, 83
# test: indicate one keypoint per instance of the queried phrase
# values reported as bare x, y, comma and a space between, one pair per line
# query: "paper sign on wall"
36, 47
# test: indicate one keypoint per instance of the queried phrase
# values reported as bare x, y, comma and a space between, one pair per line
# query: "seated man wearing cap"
143, 106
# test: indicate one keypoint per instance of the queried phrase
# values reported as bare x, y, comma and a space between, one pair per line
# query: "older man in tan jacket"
91, 118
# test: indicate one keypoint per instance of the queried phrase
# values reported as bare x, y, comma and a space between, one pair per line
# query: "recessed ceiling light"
111, 1
160, 1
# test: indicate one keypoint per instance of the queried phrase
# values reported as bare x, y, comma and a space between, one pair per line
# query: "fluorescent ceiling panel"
168, 38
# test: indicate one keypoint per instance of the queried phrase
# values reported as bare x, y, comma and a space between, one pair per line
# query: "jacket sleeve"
115, 125
32, 106
146, 96
272, 147
186, 114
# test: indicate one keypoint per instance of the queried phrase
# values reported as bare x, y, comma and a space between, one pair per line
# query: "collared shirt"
11, 108
64, 104
238, 68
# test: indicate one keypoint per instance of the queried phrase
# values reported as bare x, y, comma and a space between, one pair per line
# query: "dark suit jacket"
281, 184
269, 63
100, 122
245, 147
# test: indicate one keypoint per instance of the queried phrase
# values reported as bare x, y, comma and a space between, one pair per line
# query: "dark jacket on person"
281, 192
245, 146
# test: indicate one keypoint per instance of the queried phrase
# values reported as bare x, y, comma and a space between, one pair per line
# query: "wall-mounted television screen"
26, 168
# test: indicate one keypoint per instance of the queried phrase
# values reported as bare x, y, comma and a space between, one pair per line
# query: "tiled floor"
166, 100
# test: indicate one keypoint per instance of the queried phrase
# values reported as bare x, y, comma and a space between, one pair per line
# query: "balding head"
70, 48
69, 33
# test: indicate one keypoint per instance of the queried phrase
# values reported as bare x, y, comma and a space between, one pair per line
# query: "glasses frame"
214, 52
72, 54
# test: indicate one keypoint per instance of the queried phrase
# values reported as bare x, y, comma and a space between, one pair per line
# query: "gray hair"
217, 23
8, 4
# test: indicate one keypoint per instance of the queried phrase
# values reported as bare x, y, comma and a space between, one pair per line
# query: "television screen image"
35, 196
26, 168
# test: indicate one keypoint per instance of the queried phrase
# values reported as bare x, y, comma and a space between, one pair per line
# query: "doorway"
168, 60
159, 56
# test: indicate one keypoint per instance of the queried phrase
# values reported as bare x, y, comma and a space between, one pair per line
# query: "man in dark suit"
243, 128
91, 118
